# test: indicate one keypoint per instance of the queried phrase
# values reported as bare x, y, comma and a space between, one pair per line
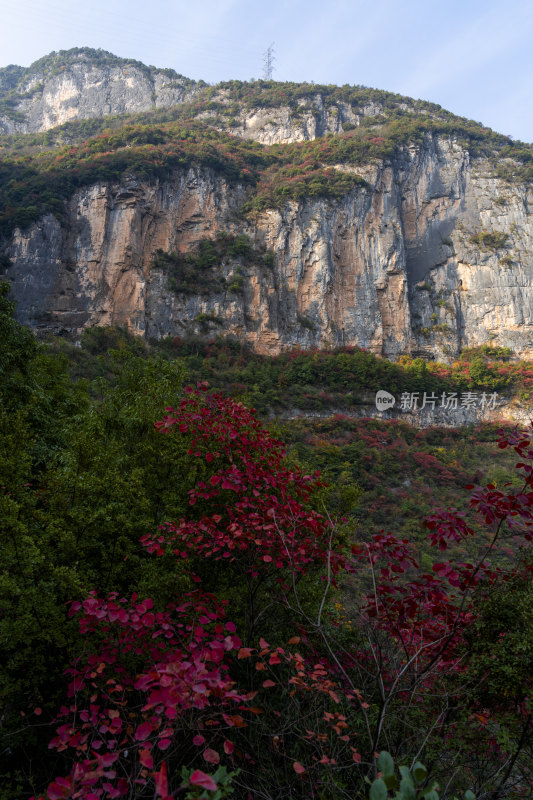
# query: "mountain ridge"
18, 84
391, 223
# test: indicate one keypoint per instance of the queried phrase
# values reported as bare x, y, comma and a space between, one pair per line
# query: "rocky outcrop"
431, 256
284, 124
506, 409
86, 87
86, 84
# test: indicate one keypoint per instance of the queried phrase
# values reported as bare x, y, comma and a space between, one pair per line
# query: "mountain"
83, 83
280, 214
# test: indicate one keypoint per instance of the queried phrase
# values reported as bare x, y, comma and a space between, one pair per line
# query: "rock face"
86, 88
433, 255
283, 124
85, 84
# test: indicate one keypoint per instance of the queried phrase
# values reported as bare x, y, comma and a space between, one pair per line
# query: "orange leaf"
238, 721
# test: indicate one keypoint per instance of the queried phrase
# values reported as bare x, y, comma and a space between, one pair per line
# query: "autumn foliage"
165, 701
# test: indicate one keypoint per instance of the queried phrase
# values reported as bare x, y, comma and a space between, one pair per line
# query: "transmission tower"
268, 63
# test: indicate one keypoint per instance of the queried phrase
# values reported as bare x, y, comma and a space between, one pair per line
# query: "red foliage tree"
158, 690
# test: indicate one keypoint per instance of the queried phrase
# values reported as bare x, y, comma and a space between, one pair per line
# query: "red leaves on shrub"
266, 512
158, 674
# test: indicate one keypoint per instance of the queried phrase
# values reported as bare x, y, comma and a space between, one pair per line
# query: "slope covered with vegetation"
199, 600
85, 476
39, 172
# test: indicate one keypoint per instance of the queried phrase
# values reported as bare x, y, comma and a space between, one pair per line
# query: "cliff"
84, 84
390, 267
423, 245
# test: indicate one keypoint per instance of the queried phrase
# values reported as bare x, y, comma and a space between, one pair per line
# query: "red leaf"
59, 789
164, 744
299, 768
199, 778
145, 758
143, 731
161, 781
211, 756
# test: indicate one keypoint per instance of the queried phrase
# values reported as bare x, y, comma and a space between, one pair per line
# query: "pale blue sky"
474, 57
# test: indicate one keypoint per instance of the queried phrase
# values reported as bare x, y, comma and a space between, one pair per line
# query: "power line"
268, 62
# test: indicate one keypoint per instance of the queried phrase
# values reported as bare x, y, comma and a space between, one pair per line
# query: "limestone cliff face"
89, 84
311, 119
432, 256
85, 89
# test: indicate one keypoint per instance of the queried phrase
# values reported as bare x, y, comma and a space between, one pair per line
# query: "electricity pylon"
268, 63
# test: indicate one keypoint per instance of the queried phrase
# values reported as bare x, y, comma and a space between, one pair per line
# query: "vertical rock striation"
431, 256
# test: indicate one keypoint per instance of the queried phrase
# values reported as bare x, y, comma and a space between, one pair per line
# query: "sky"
473, 57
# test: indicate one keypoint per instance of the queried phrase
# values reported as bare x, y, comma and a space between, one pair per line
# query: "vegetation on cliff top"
39, 172
14, 79
40, 180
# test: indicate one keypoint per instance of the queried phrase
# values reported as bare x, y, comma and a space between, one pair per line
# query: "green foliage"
9, 76
500, 647
221, 777
411, 784
307, 323
312, 379
99, 340
482, 375
199, 272
489, 240
499, 353
16, 353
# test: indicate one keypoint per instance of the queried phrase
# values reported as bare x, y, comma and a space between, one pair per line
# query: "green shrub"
489, 240
199, 272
